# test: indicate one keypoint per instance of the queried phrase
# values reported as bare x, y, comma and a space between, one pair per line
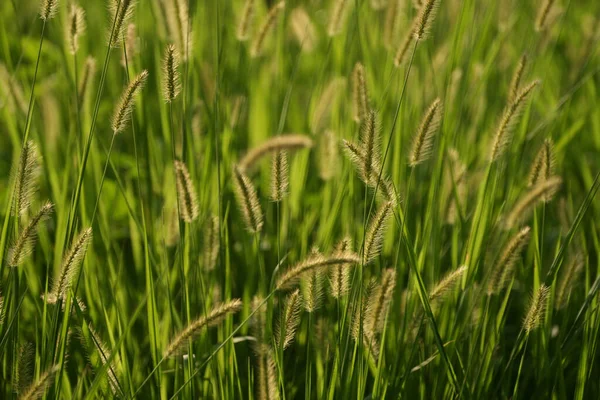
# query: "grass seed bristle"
425, 18
75, 27
287, 324
502, 270
509, 120
25, 178
171, 83
276, 143
23, 247
122, 113
423, 141
360, 94
186, 193
542, 192
247, 200
537, 309
268, 25
280, 180
180, 342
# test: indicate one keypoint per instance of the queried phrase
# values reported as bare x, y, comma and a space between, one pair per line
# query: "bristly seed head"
509, 119
123, 110
48, 10
121, 11
537, 309
376, 231
247, 200
186, 193
423, 142
280, 181
171, 85
425, 19
24, 244
270, 20
25, 178
243, 29
360, 94
75, 27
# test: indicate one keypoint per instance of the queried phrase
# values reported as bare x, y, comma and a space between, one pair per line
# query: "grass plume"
542, 192
542, 168
376, 231
280, 180
26, 177
423, 141
503, 269
180, 342
276, 143
287, 324
122, 113
23, 247
171, 85
425, 18
509, 120
515, 82
75, 27
247, 200
360, 94
267, 26
71, 265
186, 193
537, 309
122, 11
313, 262
243, 28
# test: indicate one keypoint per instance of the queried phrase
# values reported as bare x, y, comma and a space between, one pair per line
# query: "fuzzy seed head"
25, 177
336, 18
447, 285
276, 143
75, 27
87, 78
503, 269
267, 26
542, 192
510, 119
360, 93
515, 82
211, 243
423, 141
280, 181
542, 168
181, 341
48, 9
247, 200
122, 113
339, 274
38, 388
537, 309
378, 303
71, 265
171, 85
315, 261
425, 18
303, 29
186, 193
243, 28
121, 11
287, 324
376, 232
23, 247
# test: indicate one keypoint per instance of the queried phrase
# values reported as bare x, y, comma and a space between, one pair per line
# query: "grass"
403, 209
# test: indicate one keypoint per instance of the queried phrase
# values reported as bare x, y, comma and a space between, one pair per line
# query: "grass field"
318, 199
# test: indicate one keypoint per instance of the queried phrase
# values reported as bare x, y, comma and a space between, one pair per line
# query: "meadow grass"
319, 199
